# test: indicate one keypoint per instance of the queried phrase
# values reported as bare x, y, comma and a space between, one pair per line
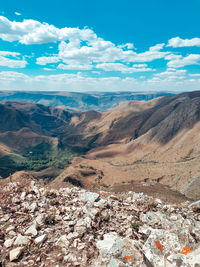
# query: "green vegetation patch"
35, 158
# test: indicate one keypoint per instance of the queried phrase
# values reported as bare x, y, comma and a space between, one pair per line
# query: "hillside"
138, 141
155, 141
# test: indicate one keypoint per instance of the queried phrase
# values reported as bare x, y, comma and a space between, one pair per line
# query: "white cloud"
48, 69
178, 61
121, 67
128, 46
153, 54
95, 51
47, 60
78, 46
139, 65
33, 32
10, 80
12, 60
74, 67
13, 76
83, 56
178, 42
194, 74
170, 74
8, 53
18, 14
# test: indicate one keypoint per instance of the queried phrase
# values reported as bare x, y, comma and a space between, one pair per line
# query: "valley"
139, 142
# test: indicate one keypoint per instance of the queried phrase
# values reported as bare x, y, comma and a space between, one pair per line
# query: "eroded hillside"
147, 142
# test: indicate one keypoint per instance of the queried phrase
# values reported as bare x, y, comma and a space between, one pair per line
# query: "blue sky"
102, 45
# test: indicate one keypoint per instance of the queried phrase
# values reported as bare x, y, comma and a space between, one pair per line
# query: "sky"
100, 45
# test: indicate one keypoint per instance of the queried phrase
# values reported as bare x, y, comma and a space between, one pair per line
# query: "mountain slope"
165, 149
147, 141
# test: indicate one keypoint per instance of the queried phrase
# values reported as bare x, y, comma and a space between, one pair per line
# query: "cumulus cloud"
79, 82
171, 74
101, 54
77, 46
47, 60
8, 53
123, 68
94, 51
153, 54
33, 32
139, 65
178, 61
178, 42
74, 67
194, 74
82, 49
127, 45
12, 60
13, 76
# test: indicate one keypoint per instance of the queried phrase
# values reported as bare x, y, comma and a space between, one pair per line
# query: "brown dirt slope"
165, 147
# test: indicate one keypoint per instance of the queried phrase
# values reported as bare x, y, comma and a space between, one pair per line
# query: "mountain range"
99, 101
149, 142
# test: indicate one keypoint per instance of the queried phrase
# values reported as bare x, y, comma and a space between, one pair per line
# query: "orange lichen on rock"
185, 251
127, 257
159, 245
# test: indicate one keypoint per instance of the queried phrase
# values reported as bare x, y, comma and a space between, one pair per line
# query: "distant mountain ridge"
99, 101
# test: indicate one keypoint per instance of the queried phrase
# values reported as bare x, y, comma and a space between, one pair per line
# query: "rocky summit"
74, 227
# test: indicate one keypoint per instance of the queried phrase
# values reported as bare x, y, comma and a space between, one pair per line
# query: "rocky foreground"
73, 227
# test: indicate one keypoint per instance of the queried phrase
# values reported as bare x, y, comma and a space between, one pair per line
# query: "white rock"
173, 218
196, 203
40, 239
33, 207
71, 223
8, 243
88, 197
5, 218
25, 205
15, 253
40, 219
63, 242
10, 228
88, 222
67, 218
91, 212
159, 201
70, 236
31, 230
193, 259
108, 242
12, 233
101, 203
160, 242
21, 240
23, 195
